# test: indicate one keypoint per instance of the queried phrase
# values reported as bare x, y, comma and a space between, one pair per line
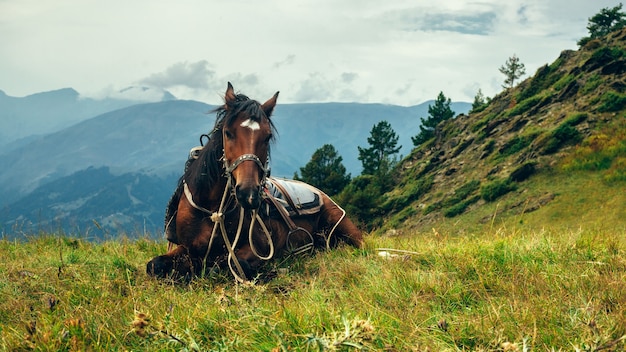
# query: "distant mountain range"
44, 113
71, 163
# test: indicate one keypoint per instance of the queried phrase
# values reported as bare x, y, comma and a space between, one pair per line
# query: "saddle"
296, 198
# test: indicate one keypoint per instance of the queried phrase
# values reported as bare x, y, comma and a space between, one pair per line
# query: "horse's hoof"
159, 267
248, 270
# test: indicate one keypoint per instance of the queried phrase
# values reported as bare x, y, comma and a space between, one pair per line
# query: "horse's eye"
268, 138
228, 134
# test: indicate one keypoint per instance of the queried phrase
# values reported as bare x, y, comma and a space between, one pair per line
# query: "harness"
218, 216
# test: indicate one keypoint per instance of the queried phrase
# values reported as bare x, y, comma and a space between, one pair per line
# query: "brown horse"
226, 191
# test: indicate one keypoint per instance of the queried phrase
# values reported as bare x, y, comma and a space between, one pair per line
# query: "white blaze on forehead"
251, 124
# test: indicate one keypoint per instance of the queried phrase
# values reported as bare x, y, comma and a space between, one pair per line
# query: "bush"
409, 193
565, 134
563, 82
524, 105
592, 83
467, 189
495, 189
518, 143
361, 199
459, 207
612, 101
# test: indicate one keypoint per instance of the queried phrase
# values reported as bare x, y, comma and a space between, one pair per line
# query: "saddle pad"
305, 198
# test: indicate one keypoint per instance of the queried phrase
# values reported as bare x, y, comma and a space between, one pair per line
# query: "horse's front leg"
177, 263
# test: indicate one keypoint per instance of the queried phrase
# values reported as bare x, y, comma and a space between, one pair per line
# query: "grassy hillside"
506, 289
549, 151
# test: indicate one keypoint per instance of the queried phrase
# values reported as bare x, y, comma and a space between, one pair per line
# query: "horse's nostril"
248, 197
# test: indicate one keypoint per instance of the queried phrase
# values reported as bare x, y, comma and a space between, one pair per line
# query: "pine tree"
604, 22
480, 102
438, 112
325, 171
379, 157
512, 69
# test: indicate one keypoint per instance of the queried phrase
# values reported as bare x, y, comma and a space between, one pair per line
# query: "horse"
227, 189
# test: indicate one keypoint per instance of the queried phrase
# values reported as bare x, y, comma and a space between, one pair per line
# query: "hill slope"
556, 139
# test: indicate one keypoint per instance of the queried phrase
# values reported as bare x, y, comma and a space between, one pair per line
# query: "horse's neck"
216, 192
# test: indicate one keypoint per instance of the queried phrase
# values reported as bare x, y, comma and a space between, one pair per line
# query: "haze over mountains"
68, 163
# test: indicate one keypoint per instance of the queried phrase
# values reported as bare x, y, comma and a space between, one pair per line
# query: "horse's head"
247, 132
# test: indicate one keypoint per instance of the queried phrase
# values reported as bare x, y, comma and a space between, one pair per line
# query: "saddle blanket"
297, 197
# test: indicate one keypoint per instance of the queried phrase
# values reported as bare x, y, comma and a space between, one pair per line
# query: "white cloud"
195, 75
395, 51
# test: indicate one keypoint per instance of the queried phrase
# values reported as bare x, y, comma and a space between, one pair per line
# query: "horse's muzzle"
248, 197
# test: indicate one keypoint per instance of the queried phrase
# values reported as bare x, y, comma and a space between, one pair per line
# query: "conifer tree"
604, 22
379, 157
438, 112
480, 102
512, 69
325, 171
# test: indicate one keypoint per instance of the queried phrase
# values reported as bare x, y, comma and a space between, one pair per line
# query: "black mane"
208, 168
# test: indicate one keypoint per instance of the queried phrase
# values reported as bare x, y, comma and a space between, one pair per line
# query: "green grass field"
505, 289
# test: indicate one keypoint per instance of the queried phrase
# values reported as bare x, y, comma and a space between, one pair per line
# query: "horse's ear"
229, 97
269, 105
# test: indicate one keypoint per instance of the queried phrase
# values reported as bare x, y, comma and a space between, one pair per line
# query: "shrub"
592, 83
495, 189
404, 214
518, 143
459, 207
612, 101
564, 81
481, 123
576, 118
524, 105
563, 135
467, 189
410, 192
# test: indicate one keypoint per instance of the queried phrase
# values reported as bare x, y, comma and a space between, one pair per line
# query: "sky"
367, 51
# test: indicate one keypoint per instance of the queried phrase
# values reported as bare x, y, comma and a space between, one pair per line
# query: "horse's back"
306, 199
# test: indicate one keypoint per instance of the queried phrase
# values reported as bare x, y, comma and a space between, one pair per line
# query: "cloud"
289, 60
478, 20
318, 87
349, 77
315, 88
195, 75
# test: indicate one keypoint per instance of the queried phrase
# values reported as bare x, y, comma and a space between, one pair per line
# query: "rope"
218, 220
268, 236
343, 215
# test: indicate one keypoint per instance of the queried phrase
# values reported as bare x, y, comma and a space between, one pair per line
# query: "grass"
502, 289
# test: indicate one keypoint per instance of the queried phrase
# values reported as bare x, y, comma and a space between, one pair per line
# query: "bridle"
218, 216
229, 168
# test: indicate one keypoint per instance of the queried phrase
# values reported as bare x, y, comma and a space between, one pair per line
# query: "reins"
218, 219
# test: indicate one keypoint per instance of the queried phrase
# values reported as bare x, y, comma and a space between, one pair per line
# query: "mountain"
95, 204
149, 138
23, 118
150, 142
549, 152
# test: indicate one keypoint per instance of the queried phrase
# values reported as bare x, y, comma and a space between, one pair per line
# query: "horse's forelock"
226, 115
